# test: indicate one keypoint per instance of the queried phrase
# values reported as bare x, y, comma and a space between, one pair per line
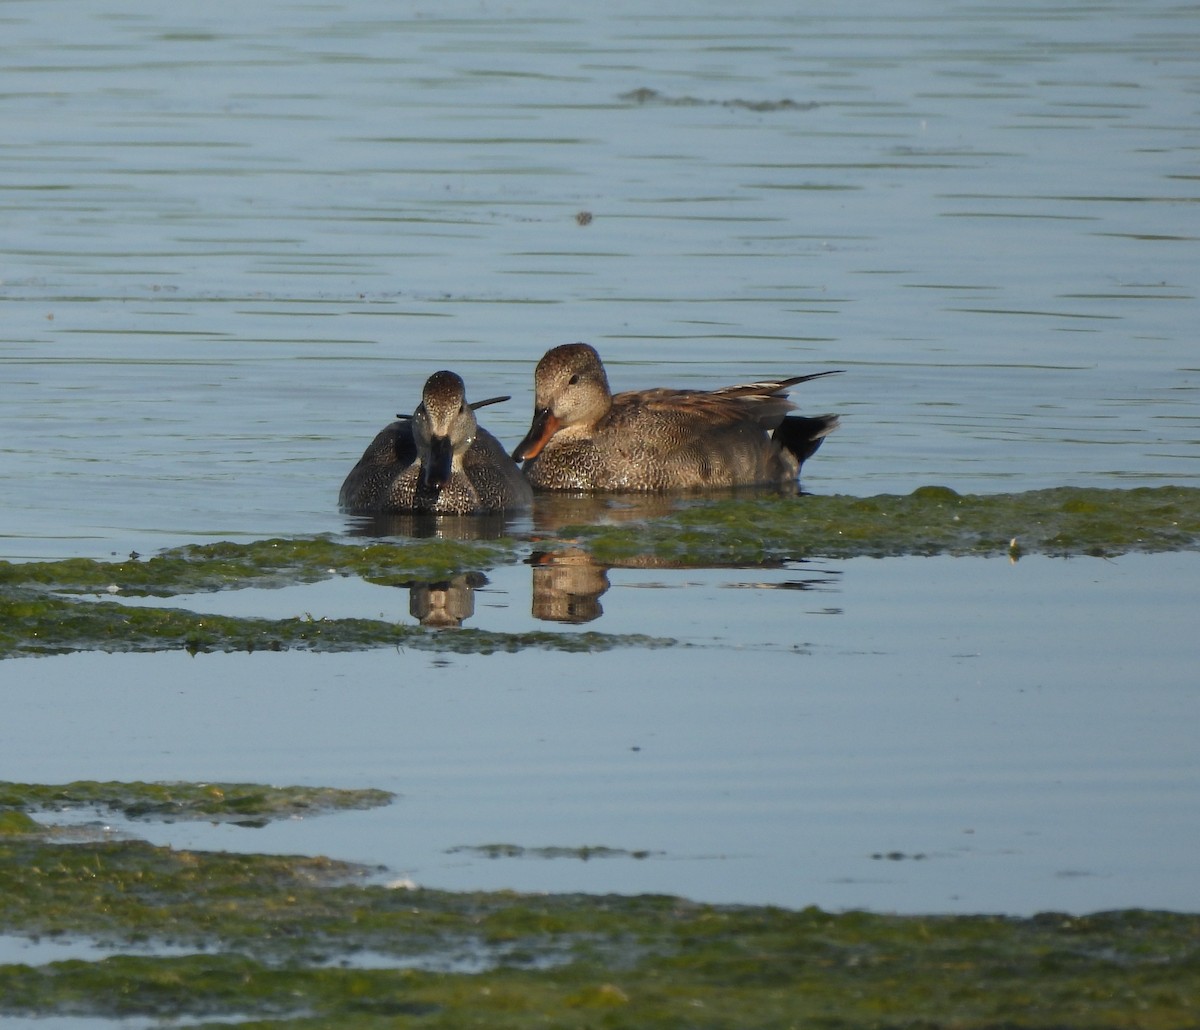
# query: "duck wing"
763, 403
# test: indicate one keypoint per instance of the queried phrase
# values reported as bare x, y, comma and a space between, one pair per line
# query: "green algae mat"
296, 941
276, 941
74, 605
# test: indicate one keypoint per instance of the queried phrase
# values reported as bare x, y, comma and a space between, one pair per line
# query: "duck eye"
573, 380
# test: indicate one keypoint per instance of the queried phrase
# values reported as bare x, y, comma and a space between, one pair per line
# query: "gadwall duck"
584, 438
439, 461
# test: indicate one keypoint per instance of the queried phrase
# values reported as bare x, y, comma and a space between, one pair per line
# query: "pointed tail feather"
772, 387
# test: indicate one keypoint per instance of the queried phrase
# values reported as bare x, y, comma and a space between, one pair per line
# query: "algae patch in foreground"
276, 939
44, 625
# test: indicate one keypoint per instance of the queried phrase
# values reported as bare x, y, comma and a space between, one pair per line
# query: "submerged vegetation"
308, 942
74, 604
584, 854
45, 624
245, 803
263, 563
930, 520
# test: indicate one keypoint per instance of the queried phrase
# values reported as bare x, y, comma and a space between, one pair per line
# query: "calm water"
1009, 730
237, 239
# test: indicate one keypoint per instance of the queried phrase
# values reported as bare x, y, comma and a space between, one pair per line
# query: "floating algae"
930, 520
212, 802
583, 853
262, 563
50, 625
52, 607
275, 939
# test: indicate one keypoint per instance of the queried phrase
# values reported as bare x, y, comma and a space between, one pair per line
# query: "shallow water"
236, 243
1031, 748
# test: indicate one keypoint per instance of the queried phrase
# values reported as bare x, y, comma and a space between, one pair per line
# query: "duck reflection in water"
568, 584
496, 526
567, 587
445, 604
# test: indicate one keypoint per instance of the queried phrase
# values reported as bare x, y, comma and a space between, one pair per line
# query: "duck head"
444, 428
570, 388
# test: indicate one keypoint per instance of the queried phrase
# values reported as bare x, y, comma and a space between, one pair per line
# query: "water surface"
235, 246
237, 240
937, 735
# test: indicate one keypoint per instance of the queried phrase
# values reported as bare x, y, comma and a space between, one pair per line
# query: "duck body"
583, 438
438, 462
